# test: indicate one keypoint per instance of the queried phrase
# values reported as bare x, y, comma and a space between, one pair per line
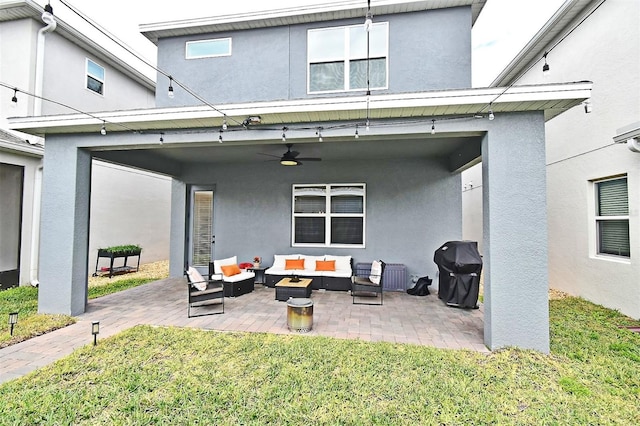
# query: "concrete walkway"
402, 319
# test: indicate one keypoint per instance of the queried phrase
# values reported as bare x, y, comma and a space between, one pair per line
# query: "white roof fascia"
297, 15
437, 103
631, 131
23, 9
570, 12
22, 149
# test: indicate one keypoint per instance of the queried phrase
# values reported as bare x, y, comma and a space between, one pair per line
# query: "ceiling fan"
290, 158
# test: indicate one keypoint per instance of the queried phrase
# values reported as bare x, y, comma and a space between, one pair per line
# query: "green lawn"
150, 375
24, 300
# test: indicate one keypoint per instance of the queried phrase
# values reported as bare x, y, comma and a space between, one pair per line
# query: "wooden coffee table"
286, 289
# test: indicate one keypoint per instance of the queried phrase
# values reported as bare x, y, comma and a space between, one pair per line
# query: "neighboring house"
593, 159
388, 185
43, 56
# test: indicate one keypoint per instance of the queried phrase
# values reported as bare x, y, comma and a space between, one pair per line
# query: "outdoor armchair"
203, 292
368, 286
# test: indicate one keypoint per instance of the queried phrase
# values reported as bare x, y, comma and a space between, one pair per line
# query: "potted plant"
256, 262
120, 251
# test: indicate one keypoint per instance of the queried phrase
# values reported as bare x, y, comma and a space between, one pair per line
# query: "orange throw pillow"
294, 264
325, 265
230, 270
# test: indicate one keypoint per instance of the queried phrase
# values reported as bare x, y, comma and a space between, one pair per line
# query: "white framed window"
95, 77
330, 215
208, 48
612, 217
337, 58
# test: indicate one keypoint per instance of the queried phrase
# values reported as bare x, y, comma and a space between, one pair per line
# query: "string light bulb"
220, 137
103, 130
224, 124
14, 99
491, 116
546, 70
356, 135
319, 134
170, 93
368, 22
433, 127
284, 133
366, 125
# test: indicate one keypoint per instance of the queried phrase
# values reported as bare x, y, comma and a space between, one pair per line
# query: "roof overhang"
28, 9
553, 99
555, 28
298, 15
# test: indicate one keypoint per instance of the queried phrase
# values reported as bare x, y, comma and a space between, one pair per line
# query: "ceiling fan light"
288, 162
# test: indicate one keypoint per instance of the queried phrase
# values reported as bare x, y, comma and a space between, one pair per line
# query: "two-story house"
379, 105
47, 66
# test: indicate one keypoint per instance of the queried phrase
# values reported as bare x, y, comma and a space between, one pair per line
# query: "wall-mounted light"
319, 134
588, 107
161, 138
356, 135
252, 120
433, 127
546, 70
95, 329
13, 320
220, 137
284, 133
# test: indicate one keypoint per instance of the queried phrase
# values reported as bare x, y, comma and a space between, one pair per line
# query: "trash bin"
459, 265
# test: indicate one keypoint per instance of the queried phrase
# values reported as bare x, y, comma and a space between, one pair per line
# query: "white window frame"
600, 219
326, 191
218, 55
346, 57
88, 74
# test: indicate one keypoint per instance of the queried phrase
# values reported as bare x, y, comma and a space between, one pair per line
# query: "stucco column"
64, 241
515, 233
177, 236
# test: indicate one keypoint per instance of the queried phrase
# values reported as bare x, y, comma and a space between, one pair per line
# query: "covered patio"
420, 320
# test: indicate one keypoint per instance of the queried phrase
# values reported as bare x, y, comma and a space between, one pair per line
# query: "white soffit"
298, 15
553, 99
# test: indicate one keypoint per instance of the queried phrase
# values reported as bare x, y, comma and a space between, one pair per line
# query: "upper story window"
337, 58
95, 77
208, 48
612, 217
328, 215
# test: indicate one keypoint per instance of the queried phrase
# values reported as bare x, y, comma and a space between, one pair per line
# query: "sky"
501, 31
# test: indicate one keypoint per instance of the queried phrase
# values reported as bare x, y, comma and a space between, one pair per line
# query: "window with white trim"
208, 48
337, 58
329, 215
95, 77
612, 217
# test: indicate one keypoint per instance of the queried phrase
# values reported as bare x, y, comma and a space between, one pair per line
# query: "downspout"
35, 228
47, 18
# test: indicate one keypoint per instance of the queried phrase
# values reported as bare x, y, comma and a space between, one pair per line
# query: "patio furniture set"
292, 277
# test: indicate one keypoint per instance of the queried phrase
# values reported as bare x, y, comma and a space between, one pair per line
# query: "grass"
149, 375
24, 300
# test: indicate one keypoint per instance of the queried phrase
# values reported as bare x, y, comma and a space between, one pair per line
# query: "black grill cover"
460, 265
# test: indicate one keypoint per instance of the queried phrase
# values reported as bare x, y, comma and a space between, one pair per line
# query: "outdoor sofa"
327, 271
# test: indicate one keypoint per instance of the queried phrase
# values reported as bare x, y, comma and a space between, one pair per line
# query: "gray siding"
428, 50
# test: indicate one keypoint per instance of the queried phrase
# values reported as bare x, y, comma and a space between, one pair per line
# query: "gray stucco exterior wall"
515, 233
270, 64
65, 228
412, 207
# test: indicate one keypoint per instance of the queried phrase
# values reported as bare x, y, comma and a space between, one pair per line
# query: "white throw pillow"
219, 263
376, 272
196, 279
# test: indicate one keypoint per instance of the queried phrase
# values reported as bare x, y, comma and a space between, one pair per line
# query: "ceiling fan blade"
269, 155
309, 159
293, 153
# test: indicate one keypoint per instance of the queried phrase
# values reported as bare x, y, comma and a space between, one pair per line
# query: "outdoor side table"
285, 288
300, 314
259, 271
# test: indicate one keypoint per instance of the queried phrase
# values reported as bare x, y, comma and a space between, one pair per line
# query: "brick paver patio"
402, 319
